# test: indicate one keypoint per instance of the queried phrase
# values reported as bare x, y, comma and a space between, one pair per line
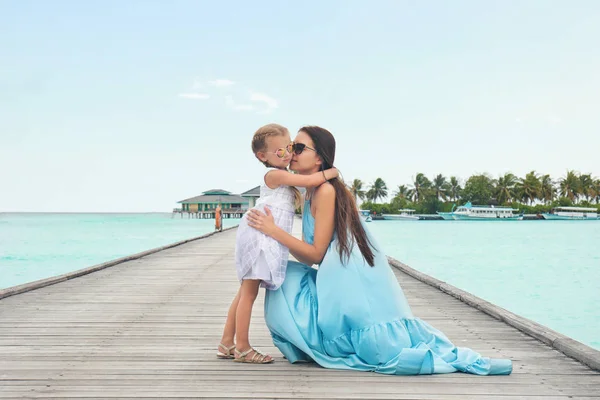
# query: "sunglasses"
282, 151
298, 148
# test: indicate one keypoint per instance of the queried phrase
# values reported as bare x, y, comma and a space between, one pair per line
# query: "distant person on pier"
218, 219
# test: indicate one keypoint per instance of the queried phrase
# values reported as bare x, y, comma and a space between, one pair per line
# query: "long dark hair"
347, 220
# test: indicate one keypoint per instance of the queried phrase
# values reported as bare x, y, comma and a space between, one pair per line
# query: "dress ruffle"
406, 346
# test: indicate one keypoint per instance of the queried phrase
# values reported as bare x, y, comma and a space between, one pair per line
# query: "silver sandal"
227, 354
257, 357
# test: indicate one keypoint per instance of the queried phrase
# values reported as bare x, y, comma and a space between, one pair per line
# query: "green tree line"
533, 193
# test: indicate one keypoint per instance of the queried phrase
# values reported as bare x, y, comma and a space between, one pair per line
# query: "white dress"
258, 256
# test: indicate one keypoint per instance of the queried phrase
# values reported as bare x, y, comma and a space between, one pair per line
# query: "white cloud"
554, 120
268, 101
195, 96
221, 82
245, 99
238, 107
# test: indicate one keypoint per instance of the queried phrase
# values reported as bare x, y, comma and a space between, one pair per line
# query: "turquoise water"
37, 246
547, 271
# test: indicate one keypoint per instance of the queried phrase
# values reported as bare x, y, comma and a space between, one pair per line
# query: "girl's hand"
333, 173
262, 222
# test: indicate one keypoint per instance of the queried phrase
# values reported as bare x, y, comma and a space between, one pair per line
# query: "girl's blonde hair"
259, 143
259, 140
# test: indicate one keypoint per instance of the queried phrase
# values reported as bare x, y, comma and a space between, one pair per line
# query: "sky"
111, 106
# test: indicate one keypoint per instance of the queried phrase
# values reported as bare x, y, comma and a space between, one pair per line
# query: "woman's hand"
262, 222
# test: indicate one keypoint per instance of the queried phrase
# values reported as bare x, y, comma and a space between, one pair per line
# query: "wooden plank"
148, 328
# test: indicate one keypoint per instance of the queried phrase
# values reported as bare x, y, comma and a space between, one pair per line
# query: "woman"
352, 313
218, 218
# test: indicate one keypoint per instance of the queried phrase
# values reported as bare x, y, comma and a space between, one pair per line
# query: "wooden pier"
228, 213
148, 328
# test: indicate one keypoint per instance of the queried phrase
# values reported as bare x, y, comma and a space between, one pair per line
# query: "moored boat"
572, 213
469, 212
366, 215
405, 214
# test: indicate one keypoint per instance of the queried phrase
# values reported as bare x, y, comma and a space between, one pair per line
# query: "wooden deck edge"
570, 347
26, 287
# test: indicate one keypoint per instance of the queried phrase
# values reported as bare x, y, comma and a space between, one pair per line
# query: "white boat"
469, 212
366, 215
572, 213
405, 214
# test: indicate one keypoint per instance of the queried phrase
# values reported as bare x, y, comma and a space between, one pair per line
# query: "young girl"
260, 260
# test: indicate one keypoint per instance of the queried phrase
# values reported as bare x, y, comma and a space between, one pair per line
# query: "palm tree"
378, 190
454, 188
420, 186
356, 189
597, 190
547, 189
505, 188
440, 187
403, 192
569, 186
529, 188
586, 186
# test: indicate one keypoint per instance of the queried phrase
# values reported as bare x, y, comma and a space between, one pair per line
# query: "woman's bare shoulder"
324, 192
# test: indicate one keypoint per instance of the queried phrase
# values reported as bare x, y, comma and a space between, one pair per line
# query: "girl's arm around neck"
280, 177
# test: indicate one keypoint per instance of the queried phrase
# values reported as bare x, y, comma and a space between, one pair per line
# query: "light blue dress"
354, 316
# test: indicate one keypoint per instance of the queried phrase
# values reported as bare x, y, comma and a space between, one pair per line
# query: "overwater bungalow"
232, 205
204, 205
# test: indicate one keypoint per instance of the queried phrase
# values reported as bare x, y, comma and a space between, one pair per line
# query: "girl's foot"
252, 356
224, 351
